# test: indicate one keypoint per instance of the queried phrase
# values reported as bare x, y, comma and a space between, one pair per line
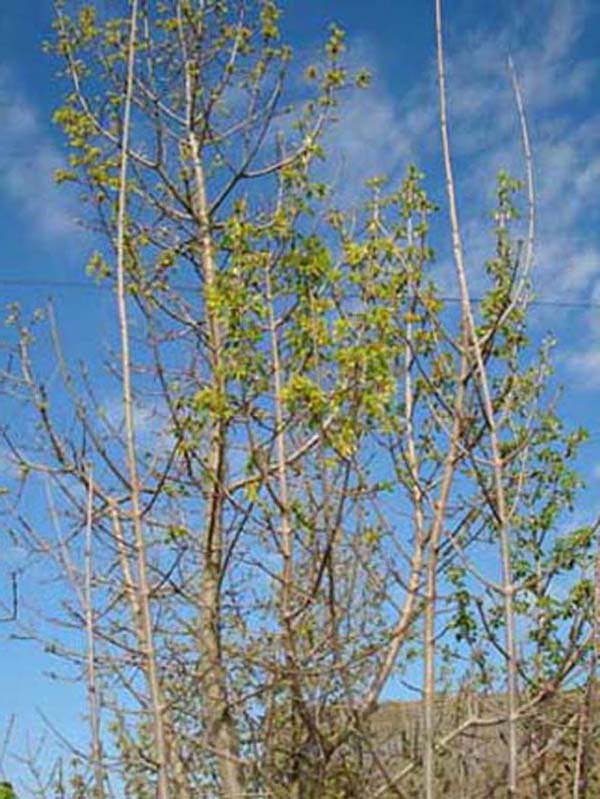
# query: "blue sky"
556, 47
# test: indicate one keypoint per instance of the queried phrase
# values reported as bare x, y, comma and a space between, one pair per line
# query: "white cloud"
372, 135
565, 25
28, 160
380, 132
9, 463
586, 365
149, 417
367, 140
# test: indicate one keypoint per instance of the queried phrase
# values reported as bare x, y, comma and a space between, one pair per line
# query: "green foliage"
7, 791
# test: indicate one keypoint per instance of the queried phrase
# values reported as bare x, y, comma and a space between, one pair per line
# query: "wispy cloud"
554, 78
149, 415
377, 131
381, 132
28, 160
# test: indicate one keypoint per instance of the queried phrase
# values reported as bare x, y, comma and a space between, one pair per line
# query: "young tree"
341, 480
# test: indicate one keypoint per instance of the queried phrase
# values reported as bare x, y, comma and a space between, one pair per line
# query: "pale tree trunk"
500, 509
222, 727
222, 733
94, 699
145, 627
435, 537
297, 789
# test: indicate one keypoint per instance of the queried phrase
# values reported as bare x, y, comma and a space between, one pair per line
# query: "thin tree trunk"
145, 629
222, 727
92, 680
297, 789
500, 502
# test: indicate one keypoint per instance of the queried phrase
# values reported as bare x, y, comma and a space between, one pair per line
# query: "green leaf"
7, 791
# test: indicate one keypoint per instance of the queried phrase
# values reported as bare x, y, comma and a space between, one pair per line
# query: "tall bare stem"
145, 629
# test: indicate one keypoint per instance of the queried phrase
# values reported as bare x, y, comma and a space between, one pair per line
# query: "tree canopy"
323, 481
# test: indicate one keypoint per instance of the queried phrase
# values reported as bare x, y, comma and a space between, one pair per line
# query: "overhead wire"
34, 283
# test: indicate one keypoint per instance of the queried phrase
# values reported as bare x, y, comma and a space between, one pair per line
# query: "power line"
80, 285
63, 284
541, 302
